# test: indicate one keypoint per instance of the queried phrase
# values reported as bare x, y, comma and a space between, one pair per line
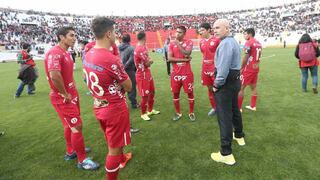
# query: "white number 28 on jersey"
94, 82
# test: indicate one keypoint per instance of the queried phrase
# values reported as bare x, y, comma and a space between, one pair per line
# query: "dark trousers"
229, 115
133, 93
168, 63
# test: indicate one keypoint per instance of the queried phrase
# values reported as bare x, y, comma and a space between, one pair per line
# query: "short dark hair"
141, 35
64, 31
126, 38
100, 25
25, 46
250, 31
206, 26
305, 38
183, 28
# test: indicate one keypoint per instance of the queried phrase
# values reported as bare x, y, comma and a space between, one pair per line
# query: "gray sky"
138, 7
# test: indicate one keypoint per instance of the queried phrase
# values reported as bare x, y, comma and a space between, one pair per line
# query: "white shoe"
229, 159
145, 117
240, 141
251, 108
153, 112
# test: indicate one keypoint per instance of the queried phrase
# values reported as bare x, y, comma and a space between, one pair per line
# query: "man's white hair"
223, 22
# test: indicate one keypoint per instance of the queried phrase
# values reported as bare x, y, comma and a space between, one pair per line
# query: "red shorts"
207, 74
145, 86
115, 122
249, 78
182, 80
69, 113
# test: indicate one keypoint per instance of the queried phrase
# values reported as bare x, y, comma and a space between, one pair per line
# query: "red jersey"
58, 59
141, 56
27, 58
180, 67
114, 49
104, 73
208, 47
254, 49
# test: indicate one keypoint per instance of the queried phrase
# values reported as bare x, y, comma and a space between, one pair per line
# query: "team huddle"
108, 82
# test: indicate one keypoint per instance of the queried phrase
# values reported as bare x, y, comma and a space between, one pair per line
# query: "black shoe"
1, 133
315, 91
134, 130
31, 93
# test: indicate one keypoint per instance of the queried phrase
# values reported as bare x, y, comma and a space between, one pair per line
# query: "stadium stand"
17, 26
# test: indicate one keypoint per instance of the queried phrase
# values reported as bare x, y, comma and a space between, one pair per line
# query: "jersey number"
94, 82
258, 50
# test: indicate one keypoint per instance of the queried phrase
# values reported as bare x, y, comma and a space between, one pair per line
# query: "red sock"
150, 101
67, 137
191, 102
78, 145
176, 102
254, 101
143, 104
211, 98
112, 166
240, 100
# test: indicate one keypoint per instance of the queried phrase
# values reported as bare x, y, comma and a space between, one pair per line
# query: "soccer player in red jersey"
208, 46
144, 78
108, 81
179, 54
250, 68
64, 96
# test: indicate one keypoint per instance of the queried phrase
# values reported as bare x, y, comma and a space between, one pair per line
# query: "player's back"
255, 49
104, 73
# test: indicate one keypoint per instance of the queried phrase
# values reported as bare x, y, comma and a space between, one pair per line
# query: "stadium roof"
140, 7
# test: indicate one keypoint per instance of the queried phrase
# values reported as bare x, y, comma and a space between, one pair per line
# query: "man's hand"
67, 98
215, 89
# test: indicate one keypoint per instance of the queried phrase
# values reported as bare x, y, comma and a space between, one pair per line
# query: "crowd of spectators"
39, 27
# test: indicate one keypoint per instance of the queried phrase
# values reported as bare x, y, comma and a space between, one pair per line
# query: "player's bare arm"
127, 85
173, 59
57, 81
183, 51
244, 61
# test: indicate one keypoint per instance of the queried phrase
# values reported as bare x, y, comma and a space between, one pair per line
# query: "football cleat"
212, 112
218, 157
192, 117
251, 108
73, 155
127, 157
88, 164
176, 116
153, 112
145, 117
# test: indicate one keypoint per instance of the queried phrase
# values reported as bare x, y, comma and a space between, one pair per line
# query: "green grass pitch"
282, 136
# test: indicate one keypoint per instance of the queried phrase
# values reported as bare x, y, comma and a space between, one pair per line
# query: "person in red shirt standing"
144, 78
208, 47
250, 68
28, 72
179, 54
64, 97
108, 82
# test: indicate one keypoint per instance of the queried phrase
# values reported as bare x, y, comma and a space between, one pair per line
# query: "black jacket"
127, 56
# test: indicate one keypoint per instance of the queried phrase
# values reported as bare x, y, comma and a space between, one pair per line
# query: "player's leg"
188, 89
314, 75
118, 135
254, 96
241, 92
143, 106
19, 89
151, 111
175, 88
304, 78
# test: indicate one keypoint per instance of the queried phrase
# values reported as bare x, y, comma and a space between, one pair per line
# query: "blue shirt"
227, 58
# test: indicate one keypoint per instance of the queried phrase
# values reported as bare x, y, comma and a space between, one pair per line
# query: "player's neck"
102, 44
63, 46
141, 43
